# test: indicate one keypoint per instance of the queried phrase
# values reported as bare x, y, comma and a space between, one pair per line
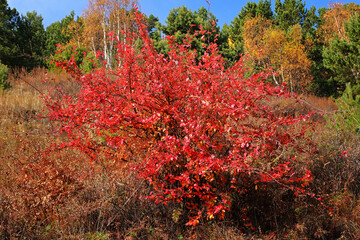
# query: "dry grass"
61, 195
64, 196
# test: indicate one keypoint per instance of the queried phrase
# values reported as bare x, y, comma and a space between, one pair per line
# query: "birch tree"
103, 17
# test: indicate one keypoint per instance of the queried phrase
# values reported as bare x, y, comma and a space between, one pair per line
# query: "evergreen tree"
228, 49
263, 9
4, 74
9, 20
155, 31
182, 21
311, 21
179, 21
290, 13
152, 21
31, 40
342, 57
22, 38
323, 84
56, 34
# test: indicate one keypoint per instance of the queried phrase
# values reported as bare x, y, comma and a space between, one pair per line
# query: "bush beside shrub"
4, 74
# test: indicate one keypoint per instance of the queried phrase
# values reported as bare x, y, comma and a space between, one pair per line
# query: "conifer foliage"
196, 132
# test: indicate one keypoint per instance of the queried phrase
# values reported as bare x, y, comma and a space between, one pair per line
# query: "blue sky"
224, 10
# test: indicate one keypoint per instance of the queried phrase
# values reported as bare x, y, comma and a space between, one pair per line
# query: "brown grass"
65, 196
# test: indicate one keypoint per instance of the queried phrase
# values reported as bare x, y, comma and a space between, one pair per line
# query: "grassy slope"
66, 196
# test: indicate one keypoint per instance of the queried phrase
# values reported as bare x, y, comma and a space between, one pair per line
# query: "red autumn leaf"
197, 132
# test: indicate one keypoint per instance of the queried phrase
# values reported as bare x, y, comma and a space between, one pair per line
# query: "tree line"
310, 50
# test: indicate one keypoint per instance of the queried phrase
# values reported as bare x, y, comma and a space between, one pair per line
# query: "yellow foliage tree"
75, 30
92, 27
273, 45
268, 46
253, 36
296, 65
102, 17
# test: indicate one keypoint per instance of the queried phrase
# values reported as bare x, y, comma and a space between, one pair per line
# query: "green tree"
290, 13
182, 21
152, 22
228, 49
179, 21
263, 9
322, 84
4, 74
342, 57
31, 40
154, 28
22, 38
348, 116
56, 33
311, 20
9, 20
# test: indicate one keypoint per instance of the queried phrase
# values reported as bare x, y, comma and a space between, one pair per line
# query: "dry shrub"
304, 104
337, 181
335, 166
319, 104
61, 195
336, 172
31, 185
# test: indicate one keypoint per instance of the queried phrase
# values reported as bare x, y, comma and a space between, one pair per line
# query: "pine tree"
31, 39
9, 20
290, 13
56, 33
342, 57
182, 21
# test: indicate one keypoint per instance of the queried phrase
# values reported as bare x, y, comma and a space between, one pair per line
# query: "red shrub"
198, 132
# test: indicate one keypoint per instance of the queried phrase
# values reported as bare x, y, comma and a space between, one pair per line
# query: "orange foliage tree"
253, 35
333, 20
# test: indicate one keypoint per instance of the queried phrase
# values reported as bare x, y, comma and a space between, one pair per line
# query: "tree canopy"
312, 50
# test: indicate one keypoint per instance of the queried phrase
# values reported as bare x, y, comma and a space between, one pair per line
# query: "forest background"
313, 53
311, 49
